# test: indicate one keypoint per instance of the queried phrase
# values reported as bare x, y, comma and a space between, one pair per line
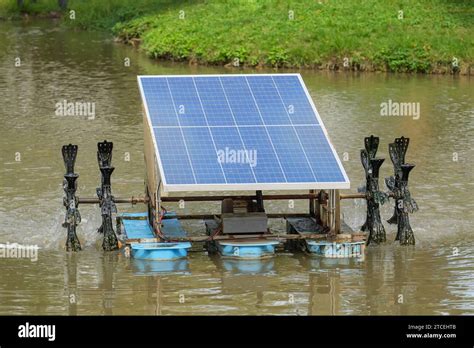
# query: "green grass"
334, 34
9, 8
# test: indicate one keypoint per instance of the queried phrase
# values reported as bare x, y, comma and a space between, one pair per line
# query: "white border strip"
215, 75
254, 187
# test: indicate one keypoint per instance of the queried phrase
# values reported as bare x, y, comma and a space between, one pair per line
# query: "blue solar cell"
241, 101
237, 161
203, 154
291, 155
319, 153
173, 155
268, 100
268, 168
295, 100
246, 129
186, 101
214, 102
159, 102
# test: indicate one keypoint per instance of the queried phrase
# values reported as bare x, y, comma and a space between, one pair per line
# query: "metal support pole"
260, 205
132, 200
323, 200
337, 212
70, 201
331, 213
106, 200
312, 205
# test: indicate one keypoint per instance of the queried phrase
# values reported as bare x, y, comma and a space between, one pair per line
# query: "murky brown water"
435, 277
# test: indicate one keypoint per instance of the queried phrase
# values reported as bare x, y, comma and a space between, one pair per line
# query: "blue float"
136, 226
160, 251
247, 249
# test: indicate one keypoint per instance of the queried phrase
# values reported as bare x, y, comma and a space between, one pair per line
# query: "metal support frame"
312, 205
145, 200
333, 221
337, 212
156, 213
260, 205
324, 206
70, 201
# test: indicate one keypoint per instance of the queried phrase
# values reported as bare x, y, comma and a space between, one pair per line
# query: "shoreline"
335, 65
157, 42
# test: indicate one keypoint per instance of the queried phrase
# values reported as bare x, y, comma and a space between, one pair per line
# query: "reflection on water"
162, 267
248, 267
393, 280
434, 277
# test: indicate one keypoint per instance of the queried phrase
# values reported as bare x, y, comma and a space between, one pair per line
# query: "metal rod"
237, 198
311, 205
211, 216
144, 200
337, 211
352, 196
132, 200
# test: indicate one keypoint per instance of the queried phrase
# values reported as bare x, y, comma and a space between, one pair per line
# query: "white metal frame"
248, 186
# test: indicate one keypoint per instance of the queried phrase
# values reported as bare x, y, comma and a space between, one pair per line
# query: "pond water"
434, 277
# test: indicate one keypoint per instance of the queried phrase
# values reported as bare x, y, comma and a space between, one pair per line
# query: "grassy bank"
388, 35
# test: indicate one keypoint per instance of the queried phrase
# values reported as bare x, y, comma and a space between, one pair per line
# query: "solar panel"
238, 132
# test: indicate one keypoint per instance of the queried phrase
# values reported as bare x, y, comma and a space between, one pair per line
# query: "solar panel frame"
248, 186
